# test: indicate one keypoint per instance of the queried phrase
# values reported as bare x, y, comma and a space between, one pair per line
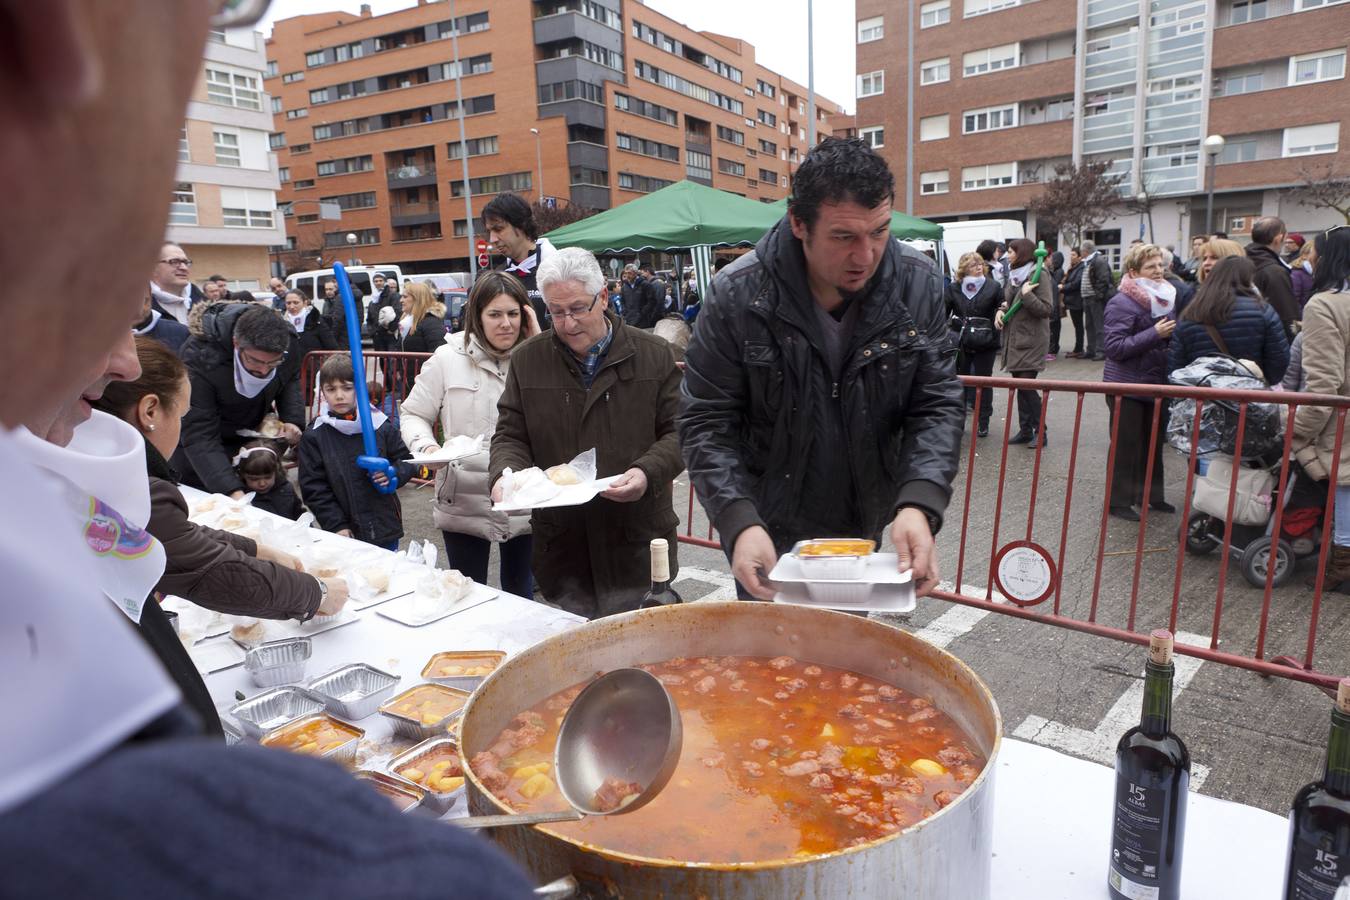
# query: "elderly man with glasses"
171, 283
593, 381
244, 365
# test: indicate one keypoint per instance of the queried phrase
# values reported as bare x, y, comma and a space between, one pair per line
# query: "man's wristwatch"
323, 593
934, 523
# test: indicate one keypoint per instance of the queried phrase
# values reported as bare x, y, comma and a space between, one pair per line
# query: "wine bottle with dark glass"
1153, 776
660, 593
1319, 823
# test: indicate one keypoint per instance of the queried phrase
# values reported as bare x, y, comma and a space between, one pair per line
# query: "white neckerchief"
971, 284
62, 647
1306, 266
245, 382
1020, 274
1162, 296
175, 305
299, 321
347, 426
154, 320
106, 490
405, 325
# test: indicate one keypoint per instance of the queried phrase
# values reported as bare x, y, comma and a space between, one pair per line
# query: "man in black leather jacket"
820, 396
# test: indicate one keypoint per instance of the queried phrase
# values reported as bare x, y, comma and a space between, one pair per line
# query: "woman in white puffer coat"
459, 388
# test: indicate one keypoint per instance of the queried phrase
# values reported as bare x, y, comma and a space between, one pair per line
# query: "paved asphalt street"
1252, 739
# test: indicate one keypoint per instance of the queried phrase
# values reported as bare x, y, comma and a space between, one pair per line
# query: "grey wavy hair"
570, 264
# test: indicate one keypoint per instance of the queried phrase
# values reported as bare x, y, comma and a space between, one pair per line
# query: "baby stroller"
1253, 541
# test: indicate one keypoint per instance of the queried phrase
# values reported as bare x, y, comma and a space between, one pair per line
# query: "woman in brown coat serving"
214, 569
1026, 334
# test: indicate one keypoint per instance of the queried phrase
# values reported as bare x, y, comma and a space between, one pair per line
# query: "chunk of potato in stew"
781, 758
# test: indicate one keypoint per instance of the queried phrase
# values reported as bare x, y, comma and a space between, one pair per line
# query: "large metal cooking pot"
944, 856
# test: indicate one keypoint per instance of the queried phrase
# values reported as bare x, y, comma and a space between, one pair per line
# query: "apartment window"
233, 89
931, 14
588, 176
933, 128
227, 149
483, 146
768, 177
1311, 67
698, 165
271, 70
1247, 11
298, 148
276, 140
1300, 5
1238, 150
768, 147
493, 184
291, 77
284, 174
314, 59
980, 62
979, 178
875, 136
346, 165
871, 84
644, 147
765, 88
679, 48
648, 110
364, 237
1306, 140
870, 29
362, 200
980, 7
935, 71
933, 183
991, 119
571, 90
731, 167
767, 118
731, 135
318, 95
474, 65
276, 105
1239, 83
642, 184
348, 51
304, 184
306, 219
183, 205
648, 72
301, 113
184, 154
472, 23
244, 208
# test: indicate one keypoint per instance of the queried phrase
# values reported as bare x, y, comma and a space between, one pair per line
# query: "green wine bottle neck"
1337, 778
1156, 720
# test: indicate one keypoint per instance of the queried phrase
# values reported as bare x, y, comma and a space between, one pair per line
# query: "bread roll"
564, 474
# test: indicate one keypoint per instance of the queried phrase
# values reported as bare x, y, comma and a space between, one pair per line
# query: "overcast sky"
777, 28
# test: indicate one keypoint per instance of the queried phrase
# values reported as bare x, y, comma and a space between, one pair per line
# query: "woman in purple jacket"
1137, 326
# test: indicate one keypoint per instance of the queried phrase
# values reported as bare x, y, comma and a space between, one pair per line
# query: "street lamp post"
1145, 208
1213, 147
351, 248
539, 163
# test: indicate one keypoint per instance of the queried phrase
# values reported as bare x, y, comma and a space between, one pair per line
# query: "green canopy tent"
682, 216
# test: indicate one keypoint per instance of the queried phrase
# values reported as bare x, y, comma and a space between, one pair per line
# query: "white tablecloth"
1052, 812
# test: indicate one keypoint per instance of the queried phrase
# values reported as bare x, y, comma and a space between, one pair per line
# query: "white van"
312, 282
960, 238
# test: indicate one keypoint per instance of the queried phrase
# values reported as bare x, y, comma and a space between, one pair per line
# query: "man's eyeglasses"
576, 312
252, 361
178, 262
236, 13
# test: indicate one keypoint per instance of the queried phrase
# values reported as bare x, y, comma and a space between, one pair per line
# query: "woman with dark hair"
1139, 321
312, 331
459, 387
1326, 365
1071, 295
972, 300
1229, 317
1026, 336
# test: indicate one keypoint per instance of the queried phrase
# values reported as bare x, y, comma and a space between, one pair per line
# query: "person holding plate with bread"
593, 381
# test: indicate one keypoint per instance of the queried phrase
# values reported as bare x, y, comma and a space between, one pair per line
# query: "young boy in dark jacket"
343, 496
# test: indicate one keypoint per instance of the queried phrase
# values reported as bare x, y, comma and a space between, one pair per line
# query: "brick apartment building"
623, 99
223, 208
1004, 90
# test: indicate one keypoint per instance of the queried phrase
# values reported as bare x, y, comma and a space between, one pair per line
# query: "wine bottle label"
1315, 872
1137, 840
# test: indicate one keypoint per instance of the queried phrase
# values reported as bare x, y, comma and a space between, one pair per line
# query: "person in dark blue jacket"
344, 497
1229, 305
166, 329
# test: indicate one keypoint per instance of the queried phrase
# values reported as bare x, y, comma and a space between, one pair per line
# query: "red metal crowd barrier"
395, 372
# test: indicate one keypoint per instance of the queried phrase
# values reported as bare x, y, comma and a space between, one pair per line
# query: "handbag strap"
1217, 339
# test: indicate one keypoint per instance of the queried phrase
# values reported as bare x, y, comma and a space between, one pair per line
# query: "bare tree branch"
1322, 187
1079, 198
547, 218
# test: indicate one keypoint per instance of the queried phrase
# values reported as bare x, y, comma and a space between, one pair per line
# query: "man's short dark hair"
337, 368
986, 249
840, 170
261, 329
514, 211
221, 278
1267, 229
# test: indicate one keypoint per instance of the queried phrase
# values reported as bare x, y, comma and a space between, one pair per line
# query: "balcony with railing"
416, 212
413, 174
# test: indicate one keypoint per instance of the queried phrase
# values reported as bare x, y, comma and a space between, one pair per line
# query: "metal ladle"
623, 725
